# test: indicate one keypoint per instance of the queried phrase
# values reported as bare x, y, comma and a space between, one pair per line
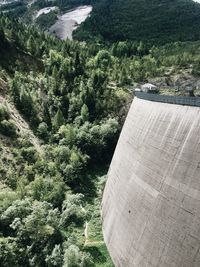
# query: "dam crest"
151, 202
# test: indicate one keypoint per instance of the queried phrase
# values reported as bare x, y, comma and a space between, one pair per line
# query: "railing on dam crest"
178, 100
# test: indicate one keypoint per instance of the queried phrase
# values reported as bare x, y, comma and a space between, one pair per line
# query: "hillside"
150, 20
56, 108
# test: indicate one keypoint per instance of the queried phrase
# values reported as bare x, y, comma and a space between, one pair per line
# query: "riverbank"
69, 21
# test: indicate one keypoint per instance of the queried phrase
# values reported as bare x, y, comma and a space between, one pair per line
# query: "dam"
151, 201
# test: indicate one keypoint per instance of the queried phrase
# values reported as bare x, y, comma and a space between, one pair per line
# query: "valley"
68, 71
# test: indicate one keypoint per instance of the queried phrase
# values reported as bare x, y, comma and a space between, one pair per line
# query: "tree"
15, 91
38, 232
8, 255
8, 128
68, 134
84, 113
3, 41
18, 209
77, 65
72, 211
50, 189
43, 130
27, 106
4, 115
58, 120
103, 59
47, 115
55, 73
56, 257
73, 257
31, 46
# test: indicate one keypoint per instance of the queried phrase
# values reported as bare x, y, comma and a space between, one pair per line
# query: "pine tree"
77, 65
84, 113
2, 38
31, 45
15, 92
47, 116
58, 120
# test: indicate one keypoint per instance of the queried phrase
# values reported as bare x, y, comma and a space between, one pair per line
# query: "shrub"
43, 130
29, 154
8, 128
4, 115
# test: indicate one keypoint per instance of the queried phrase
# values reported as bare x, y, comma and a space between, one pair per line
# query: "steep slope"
158, 20
22, 127
49, 92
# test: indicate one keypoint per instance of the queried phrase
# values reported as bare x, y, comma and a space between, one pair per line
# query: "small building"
149, 88
137, 90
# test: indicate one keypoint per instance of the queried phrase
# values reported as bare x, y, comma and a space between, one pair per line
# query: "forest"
155, 21
51, 174
152, 21
62, 107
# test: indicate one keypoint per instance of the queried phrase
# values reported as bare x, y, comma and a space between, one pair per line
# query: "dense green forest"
55, 152
150, 20
153, 21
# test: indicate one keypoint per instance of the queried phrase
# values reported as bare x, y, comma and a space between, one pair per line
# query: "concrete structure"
151, 202
148, 87
180, 100
137, 90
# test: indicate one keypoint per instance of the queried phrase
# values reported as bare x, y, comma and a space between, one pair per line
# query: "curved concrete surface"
151, 202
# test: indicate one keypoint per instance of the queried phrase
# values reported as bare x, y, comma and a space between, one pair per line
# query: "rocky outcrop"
180, 81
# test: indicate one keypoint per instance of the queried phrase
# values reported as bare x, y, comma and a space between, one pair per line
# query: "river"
46, 10
69, 21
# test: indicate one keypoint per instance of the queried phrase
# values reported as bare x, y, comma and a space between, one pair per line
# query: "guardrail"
178, 100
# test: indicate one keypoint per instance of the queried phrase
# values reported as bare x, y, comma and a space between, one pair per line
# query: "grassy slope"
94, 242
91, 237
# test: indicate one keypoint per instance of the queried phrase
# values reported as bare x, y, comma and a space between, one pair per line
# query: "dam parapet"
178, 100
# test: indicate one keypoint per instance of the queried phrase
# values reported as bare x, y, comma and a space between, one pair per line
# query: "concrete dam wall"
151, 202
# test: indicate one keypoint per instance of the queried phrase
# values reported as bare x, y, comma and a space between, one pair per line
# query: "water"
45, 10
69, 21
4, 2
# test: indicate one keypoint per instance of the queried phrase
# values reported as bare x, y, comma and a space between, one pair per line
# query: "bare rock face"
178, 81
151, 202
